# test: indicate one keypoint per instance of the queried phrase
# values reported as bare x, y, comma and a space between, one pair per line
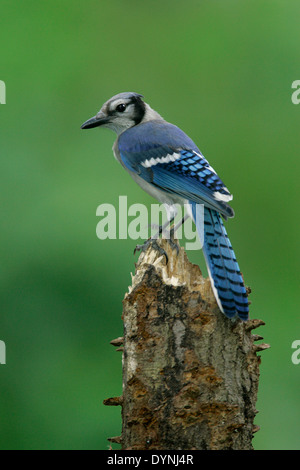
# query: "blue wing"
164, 156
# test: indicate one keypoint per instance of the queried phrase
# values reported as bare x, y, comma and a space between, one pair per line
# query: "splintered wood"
190, 375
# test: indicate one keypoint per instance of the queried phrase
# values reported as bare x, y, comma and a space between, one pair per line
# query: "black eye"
121, 107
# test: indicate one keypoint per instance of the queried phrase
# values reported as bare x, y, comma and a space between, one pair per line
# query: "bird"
167, 164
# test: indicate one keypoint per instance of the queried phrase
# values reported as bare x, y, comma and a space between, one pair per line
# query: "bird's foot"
154, 245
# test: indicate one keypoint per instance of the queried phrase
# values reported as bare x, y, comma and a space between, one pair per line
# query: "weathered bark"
190, 375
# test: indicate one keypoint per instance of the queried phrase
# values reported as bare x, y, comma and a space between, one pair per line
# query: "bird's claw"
155, 246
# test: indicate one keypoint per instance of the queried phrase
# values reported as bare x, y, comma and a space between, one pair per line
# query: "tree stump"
190, 374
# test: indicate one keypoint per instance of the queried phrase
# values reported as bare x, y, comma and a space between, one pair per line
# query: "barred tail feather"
226, 279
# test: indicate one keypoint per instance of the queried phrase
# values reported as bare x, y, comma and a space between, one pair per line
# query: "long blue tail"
224, 271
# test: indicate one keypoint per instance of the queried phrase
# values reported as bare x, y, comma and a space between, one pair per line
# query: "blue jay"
167, 164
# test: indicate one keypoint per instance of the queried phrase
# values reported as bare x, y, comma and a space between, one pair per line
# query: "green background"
220, 70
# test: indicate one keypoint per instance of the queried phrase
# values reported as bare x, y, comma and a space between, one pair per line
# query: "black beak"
99, 120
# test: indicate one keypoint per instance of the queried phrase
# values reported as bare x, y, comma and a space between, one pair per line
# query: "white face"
121, 113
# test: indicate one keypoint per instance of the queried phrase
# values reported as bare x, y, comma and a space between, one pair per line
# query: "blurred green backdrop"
222, 71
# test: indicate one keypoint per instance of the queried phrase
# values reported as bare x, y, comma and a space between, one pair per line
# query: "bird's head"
121, 112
